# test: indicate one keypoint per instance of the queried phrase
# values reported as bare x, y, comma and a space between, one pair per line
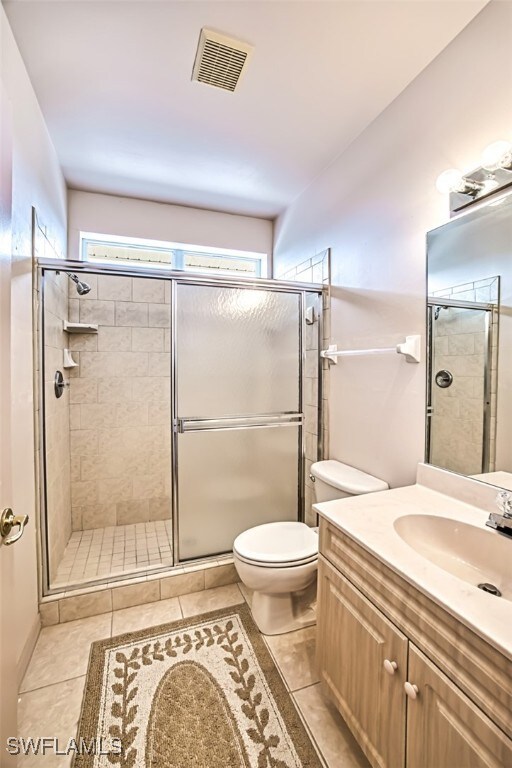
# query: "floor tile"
143, 616
52, 711
246, 592
210, 600
90, 553
328, 729
62, 651
294, 654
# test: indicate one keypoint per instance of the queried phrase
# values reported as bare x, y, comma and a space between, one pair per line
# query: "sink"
475, 555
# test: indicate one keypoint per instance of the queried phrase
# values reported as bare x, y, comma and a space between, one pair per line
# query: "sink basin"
475, 555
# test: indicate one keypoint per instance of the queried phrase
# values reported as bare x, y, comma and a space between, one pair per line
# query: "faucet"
502, 521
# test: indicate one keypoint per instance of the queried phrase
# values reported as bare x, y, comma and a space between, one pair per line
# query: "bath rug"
201, 692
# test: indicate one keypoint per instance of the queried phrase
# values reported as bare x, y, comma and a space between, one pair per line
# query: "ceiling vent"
220, 60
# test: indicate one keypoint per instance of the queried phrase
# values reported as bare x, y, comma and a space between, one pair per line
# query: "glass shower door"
237, 398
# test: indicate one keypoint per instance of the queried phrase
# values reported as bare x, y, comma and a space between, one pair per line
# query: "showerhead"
81, 288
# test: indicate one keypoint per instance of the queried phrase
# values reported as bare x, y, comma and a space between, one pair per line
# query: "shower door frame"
437, 301
174, 277
293, 418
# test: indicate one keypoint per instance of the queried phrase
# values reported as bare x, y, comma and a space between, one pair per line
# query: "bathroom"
335, 199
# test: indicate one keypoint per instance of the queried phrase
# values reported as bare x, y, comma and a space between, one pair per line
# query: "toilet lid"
278, 544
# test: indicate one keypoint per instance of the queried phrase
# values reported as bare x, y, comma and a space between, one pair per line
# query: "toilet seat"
277, 545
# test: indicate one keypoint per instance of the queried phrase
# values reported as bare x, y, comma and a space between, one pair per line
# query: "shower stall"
174, 413
461, 400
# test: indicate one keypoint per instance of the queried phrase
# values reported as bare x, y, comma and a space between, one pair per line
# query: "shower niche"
180, 419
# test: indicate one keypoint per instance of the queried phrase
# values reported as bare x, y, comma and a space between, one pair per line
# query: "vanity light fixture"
454, 181
495, 174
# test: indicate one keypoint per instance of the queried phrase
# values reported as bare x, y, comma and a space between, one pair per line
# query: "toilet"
278, 561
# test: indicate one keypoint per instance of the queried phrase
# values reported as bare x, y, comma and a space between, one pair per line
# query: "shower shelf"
80, 327
68, 361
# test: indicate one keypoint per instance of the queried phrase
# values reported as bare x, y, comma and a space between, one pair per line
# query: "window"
112, 249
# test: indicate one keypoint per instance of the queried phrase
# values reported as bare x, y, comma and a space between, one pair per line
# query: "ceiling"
113, 82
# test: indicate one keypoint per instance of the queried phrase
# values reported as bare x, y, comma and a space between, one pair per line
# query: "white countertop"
500, 479
369, 521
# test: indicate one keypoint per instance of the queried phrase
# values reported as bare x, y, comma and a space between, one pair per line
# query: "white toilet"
278, 561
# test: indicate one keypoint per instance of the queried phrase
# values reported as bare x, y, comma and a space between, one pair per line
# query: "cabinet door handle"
390, 666
411, 690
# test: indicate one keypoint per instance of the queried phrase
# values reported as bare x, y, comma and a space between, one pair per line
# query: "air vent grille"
220, 60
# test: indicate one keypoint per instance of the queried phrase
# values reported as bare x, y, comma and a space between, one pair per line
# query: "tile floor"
116, 550
51, 692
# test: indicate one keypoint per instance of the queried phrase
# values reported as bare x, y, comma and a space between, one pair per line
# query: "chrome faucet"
502, 521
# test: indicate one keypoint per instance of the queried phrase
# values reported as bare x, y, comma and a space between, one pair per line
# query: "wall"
37, 181
373, 207
120, 402
129, 217
58, 465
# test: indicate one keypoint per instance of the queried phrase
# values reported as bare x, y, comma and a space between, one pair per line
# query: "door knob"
411, 690
7, 522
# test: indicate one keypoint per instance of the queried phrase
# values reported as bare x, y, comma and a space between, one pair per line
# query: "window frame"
177, 251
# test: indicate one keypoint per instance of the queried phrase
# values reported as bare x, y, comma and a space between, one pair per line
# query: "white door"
8, 687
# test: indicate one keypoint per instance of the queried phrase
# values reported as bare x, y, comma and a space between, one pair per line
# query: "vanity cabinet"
354, 640
444, 728
377, 633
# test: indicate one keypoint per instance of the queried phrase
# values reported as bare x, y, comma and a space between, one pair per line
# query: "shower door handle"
196, 424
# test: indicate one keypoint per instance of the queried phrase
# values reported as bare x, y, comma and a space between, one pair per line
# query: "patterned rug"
203, 692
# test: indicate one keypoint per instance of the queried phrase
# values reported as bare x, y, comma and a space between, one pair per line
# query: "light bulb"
497, 155
454, 181
449, 181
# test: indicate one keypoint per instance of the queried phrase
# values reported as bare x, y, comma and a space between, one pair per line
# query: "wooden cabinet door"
444, 728
354, 640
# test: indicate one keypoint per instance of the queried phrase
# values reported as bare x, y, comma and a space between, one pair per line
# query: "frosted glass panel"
238, 351
232, 480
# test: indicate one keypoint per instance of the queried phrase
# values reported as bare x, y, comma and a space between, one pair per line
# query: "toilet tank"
334, 480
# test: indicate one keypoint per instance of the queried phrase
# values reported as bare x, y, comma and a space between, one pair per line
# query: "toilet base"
276, 614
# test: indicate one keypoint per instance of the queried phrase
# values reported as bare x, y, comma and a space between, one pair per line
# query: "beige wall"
37, 180
120, 402
373, 206
58, 467
129, 217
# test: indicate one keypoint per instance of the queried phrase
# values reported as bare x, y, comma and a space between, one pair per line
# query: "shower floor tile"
97, 553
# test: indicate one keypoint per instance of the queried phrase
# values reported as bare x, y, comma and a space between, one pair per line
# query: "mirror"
469, 348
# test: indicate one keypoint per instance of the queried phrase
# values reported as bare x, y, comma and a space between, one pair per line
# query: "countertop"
369, 521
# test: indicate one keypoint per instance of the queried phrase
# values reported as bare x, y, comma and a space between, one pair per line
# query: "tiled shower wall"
457, 423
120, 403
315, 270
58, 490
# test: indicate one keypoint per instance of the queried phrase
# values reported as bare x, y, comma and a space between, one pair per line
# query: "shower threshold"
115, 551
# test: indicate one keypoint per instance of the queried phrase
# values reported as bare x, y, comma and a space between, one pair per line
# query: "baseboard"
28, 650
